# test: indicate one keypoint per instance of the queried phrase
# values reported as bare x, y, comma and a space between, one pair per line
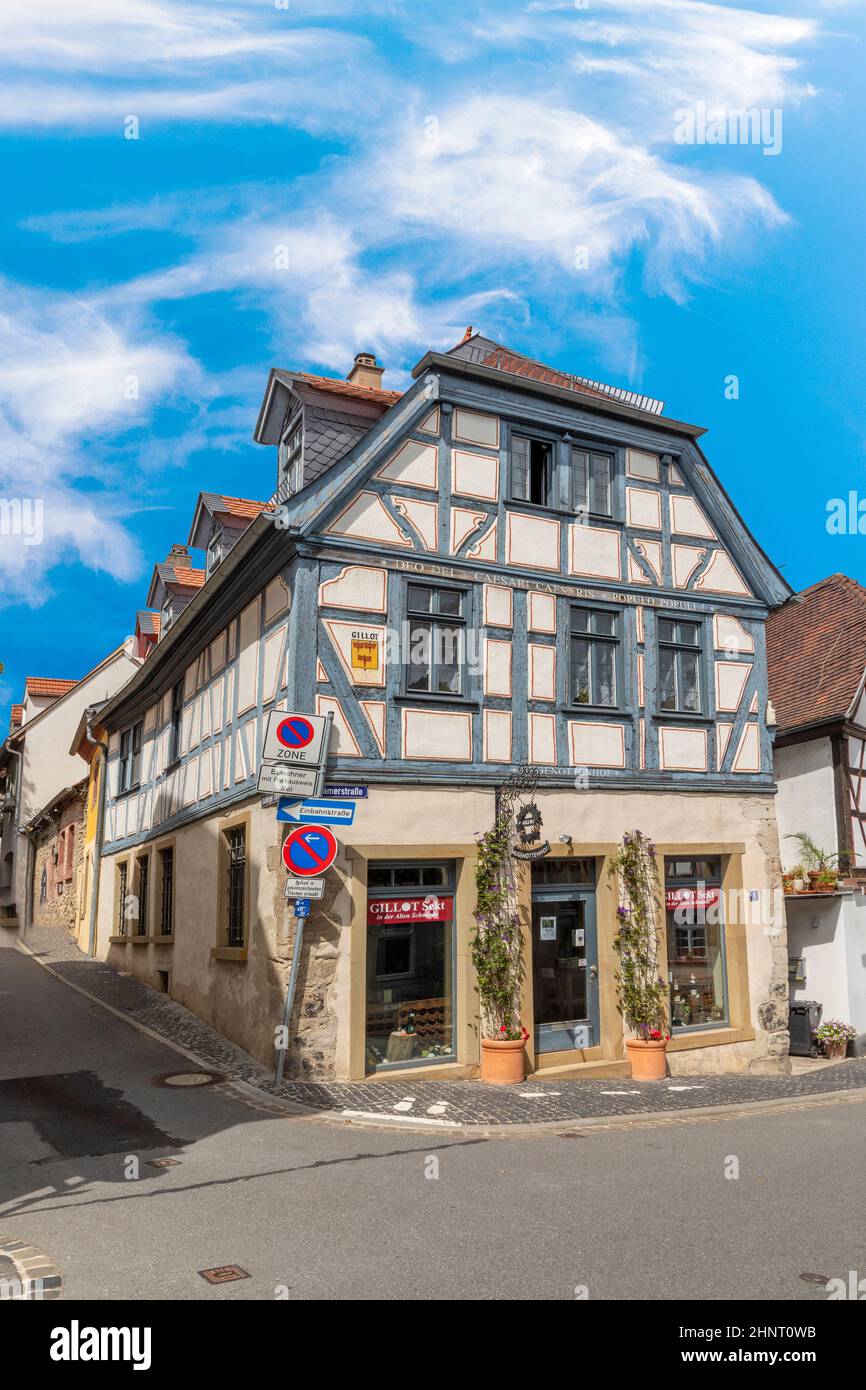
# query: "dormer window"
532, 471
167, 615
214, 548
291, 459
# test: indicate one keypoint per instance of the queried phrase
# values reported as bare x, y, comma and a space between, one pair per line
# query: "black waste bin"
803, 1016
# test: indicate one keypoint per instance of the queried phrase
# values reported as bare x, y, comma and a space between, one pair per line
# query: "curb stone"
37, 1277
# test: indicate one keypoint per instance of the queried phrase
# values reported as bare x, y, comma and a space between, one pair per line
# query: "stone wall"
57, 872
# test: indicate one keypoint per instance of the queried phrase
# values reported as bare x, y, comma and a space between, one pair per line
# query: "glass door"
565, 971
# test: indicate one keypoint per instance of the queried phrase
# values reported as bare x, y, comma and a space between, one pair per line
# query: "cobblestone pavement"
443, 1103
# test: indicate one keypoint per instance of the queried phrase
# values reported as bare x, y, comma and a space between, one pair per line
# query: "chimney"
179, 557
366, 371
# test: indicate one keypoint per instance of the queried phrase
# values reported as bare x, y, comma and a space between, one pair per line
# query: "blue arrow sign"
318, 812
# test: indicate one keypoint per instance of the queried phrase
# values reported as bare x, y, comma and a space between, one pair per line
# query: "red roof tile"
339, 387
816, 651
16, 714
47, 685
243, 506
184, 575
507, 361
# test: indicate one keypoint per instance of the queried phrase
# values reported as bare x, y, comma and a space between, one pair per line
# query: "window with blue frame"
594, 657
680, 655
436, 657
591, 482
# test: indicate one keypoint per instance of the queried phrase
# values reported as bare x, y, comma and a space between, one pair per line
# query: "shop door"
565, 971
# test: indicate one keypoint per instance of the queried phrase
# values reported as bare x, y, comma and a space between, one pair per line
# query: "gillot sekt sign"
295, 739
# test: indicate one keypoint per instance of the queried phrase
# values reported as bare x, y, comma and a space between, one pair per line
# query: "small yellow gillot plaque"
365, 654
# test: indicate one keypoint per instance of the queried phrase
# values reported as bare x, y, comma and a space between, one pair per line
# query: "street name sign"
330, 812
353, 790
295, 738
303, 888
309, 850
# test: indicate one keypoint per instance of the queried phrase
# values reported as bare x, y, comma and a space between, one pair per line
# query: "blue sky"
311, 179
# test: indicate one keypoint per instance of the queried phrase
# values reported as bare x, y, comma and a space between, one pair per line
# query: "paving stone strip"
26, 1274
436, 1103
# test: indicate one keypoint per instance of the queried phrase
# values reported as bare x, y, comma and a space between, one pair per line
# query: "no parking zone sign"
308, 850
294, 738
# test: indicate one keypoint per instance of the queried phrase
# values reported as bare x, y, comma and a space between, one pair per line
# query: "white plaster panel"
542, 671
414, 463
642, 465
497, 667
595, 551
472, 428
367, 518
248, 659
498, 605
542, 612
688, 519
720, 577
730, 636
596, 744
532, 541
356, 586
497, 736
731, 678
542, 739
437, 735
475, 475
682, 750
643, 508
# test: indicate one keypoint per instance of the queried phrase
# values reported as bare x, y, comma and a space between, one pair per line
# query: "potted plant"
834, 1037
641, 991
788, 883
497, 954
799, 878
816, 861
828, 880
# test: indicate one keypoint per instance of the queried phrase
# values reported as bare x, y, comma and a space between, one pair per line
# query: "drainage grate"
224, 1274
188, 1078
162, 1162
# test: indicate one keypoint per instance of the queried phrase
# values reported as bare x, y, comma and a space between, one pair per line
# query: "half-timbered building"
502, 566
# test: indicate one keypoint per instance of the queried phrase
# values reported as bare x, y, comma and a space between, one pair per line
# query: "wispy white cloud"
72, 385
93, 63
504, 165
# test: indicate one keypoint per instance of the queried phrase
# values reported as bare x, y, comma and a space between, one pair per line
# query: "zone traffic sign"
294, 738
309, 850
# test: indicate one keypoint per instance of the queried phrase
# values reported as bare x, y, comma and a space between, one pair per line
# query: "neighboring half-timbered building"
504, 565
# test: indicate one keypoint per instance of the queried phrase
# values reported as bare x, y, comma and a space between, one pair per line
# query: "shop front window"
697, 973
410, 960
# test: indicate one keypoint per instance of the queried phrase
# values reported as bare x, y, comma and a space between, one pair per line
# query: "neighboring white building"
37, 764
816, 649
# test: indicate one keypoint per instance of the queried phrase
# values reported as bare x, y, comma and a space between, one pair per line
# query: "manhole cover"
188, 1078
163, 1162
815, 1279
223, 1274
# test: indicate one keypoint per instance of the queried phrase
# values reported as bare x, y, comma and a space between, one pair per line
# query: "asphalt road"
325, 1209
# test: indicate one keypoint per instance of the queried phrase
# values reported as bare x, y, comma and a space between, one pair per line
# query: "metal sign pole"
299, 930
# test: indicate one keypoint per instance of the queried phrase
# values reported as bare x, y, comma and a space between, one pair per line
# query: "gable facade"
495, 575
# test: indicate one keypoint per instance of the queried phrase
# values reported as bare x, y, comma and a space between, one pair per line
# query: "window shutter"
520, 468
579, 479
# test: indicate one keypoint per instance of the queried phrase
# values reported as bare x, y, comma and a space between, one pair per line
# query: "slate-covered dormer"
173, 585
219, 522
315, 421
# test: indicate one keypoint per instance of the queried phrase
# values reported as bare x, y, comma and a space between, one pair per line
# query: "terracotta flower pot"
647, 1058
502, 1063
836, 1049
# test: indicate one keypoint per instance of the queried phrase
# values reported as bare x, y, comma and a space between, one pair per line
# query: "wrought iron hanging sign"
519, 790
